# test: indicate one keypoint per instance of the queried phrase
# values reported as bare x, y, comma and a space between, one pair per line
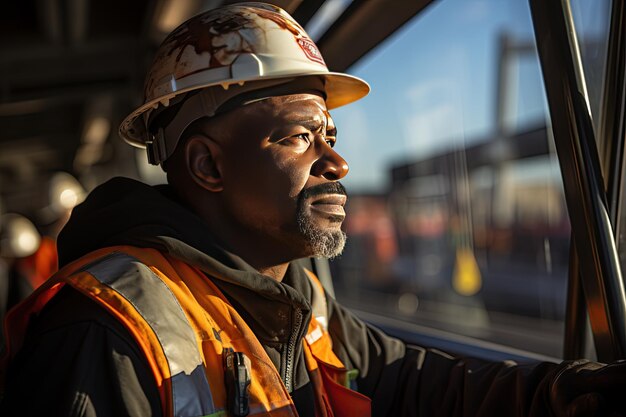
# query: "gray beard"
322, 243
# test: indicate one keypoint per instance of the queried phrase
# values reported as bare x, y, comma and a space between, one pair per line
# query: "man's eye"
300, 140
330, 142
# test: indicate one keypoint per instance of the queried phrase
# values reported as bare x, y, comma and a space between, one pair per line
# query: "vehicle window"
592, 22
456, 215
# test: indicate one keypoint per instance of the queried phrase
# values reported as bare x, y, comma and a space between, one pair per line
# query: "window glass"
456, 215
592, 22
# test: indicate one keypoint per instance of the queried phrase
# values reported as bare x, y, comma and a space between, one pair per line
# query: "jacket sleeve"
79, 367
406, 380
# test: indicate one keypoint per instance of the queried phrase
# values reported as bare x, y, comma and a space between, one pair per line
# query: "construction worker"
186, 300
64, 192
19, 240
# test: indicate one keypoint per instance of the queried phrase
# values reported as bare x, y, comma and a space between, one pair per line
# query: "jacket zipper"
291, 348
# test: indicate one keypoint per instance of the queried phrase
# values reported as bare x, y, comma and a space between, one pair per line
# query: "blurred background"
456, 216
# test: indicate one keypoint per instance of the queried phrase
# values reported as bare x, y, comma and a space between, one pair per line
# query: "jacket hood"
123, 211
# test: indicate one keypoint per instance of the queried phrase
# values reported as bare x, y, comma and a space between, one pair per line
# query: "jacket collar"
265, 304
123, 211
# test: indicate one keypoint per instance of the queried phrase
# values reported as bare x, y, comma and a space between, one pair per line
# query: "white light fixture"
18, 236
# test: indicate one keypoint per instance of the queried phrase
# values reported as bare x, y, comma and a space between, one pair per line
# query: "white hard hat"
64, 192
236, 48
19, 237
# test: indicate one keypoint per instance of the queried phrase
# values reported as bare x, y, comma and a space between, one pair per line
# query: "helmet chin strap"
156, 148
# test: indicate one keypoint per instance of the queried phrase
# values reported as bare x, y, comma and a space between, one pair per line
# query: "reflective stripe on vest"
154, 301
179, 332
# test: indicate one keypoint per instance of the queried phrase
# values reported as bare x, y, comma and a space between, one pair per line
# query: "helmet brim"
340, 89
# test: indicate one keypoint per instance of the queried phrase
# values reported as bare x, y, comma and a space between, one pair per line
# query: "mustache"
322, 189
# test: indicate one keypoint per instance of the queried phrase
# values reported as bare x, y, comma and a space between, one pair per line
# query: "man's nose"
330, 165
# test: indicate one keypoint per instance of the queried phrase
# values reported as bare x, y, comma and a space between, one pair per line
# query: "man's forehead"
302, 106
287, 109
304, 102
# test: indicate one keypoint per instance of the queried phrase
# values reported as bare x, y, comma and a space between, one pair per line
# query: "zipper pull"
237, 380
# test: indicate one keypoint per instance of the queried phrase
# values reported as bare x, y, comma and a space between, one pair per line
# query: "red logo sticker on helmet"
310, 50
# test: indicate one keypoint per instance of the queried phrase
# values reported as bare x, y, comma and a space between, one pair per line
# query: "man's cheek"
297, 180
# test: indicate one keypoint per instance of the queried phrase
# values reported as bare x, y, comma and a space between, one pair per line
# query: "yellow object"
466, 279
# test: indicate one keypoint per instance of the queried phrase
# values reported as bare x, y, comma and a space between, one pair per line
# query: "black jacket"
79, 361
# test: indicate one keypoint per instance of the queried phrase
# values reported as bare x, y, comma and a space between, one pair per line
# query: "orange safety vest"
41, 265
183, 324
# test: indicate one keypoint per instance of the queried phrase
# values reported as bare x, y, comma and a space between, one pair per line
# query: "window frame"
594, 260
593, 199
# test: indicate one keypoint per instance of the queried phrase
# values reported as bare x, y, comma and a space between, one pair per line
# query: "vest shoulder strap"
319, 305
123, 278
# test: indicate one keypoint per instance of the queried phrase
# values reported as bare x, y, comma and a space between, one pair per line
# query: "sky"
433, 85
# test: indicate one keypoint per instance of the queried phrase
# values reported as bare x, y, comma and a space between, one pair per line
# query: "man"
32, 269
186, 300
20, 242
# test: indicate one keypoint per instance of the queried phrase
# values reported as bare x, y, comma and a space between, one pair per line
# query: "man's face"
280, 175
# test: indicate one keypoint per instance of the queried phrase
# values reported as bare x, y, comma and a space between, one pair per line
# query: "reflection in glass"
592, 22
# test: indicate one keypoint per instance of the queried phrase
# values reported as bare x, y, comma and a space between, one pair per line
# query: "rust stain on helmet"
219, 36
234, 44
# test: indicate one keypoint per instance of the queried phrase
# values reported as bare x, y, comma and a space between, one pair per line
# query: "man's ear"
203, 158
